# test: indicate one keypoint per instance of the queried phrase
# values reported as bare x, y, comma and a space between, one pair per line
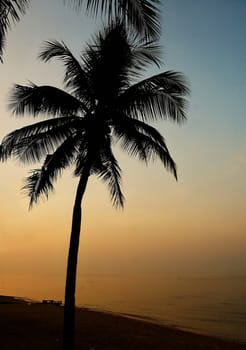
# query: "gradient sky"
196, 226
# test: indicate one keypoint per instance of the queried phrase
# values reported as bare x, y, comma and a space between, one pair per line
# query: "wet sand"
29, 326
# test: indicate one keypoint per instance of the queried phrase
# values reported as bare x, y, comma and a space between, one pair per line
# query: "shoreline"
28, 324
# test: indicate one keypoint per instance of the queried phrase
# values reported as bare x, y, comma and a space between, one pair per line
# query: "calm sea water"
214, 306
207, 305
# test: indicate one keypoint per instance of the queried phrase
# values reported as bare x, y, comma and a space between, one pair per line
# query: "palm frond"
75, 78
147, 145
159, 97
40, 182
145, 54
142, 15
37, 184
35, 100
10, 12
34, 148
32, 143
124, 124
108, 170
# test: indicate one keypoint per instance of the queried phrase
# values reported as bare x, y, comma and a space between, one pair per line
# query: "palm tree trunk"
69, 305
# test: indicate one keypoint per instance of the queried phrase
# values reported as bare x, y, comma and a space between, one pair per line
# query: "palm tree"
10, 11
142, 15
104, 102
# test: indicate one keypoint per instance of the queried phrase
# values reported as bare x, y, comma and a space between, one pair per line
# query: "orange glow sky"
196, 226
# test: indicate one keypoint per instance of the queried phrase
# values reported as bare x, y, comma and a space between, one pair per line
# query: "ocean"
212, 306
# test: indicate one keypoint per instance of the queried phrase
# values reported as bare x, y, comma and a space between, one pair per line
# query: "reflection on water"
211, 306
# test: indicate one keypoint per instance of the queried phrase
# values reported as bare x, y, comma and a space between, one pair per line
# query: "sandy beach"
26, 326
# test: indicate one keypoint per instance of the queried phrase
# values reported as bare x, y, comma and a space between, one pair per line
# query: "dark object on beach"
52, 302
11, 300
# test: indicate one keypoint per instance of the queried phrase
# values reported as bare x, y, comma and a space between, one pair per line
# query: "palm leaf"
109, 171
147, 145
160, 96
125, 124
44, 99
34, 148
75, 79
40, 182
145, 53
37, 184
31, 143
10, 11
142, 15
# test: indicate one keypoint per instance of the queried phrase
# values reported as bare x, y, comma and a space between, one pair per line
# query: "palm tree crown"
10, 11
103, 103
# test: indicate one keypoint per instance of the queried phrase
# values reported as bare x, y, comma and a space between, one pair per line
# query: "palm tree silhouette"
10, 11
104, 102
142, 15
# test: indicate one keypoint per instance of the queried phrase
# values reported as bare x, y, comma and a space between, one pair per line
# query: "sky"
193, 227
